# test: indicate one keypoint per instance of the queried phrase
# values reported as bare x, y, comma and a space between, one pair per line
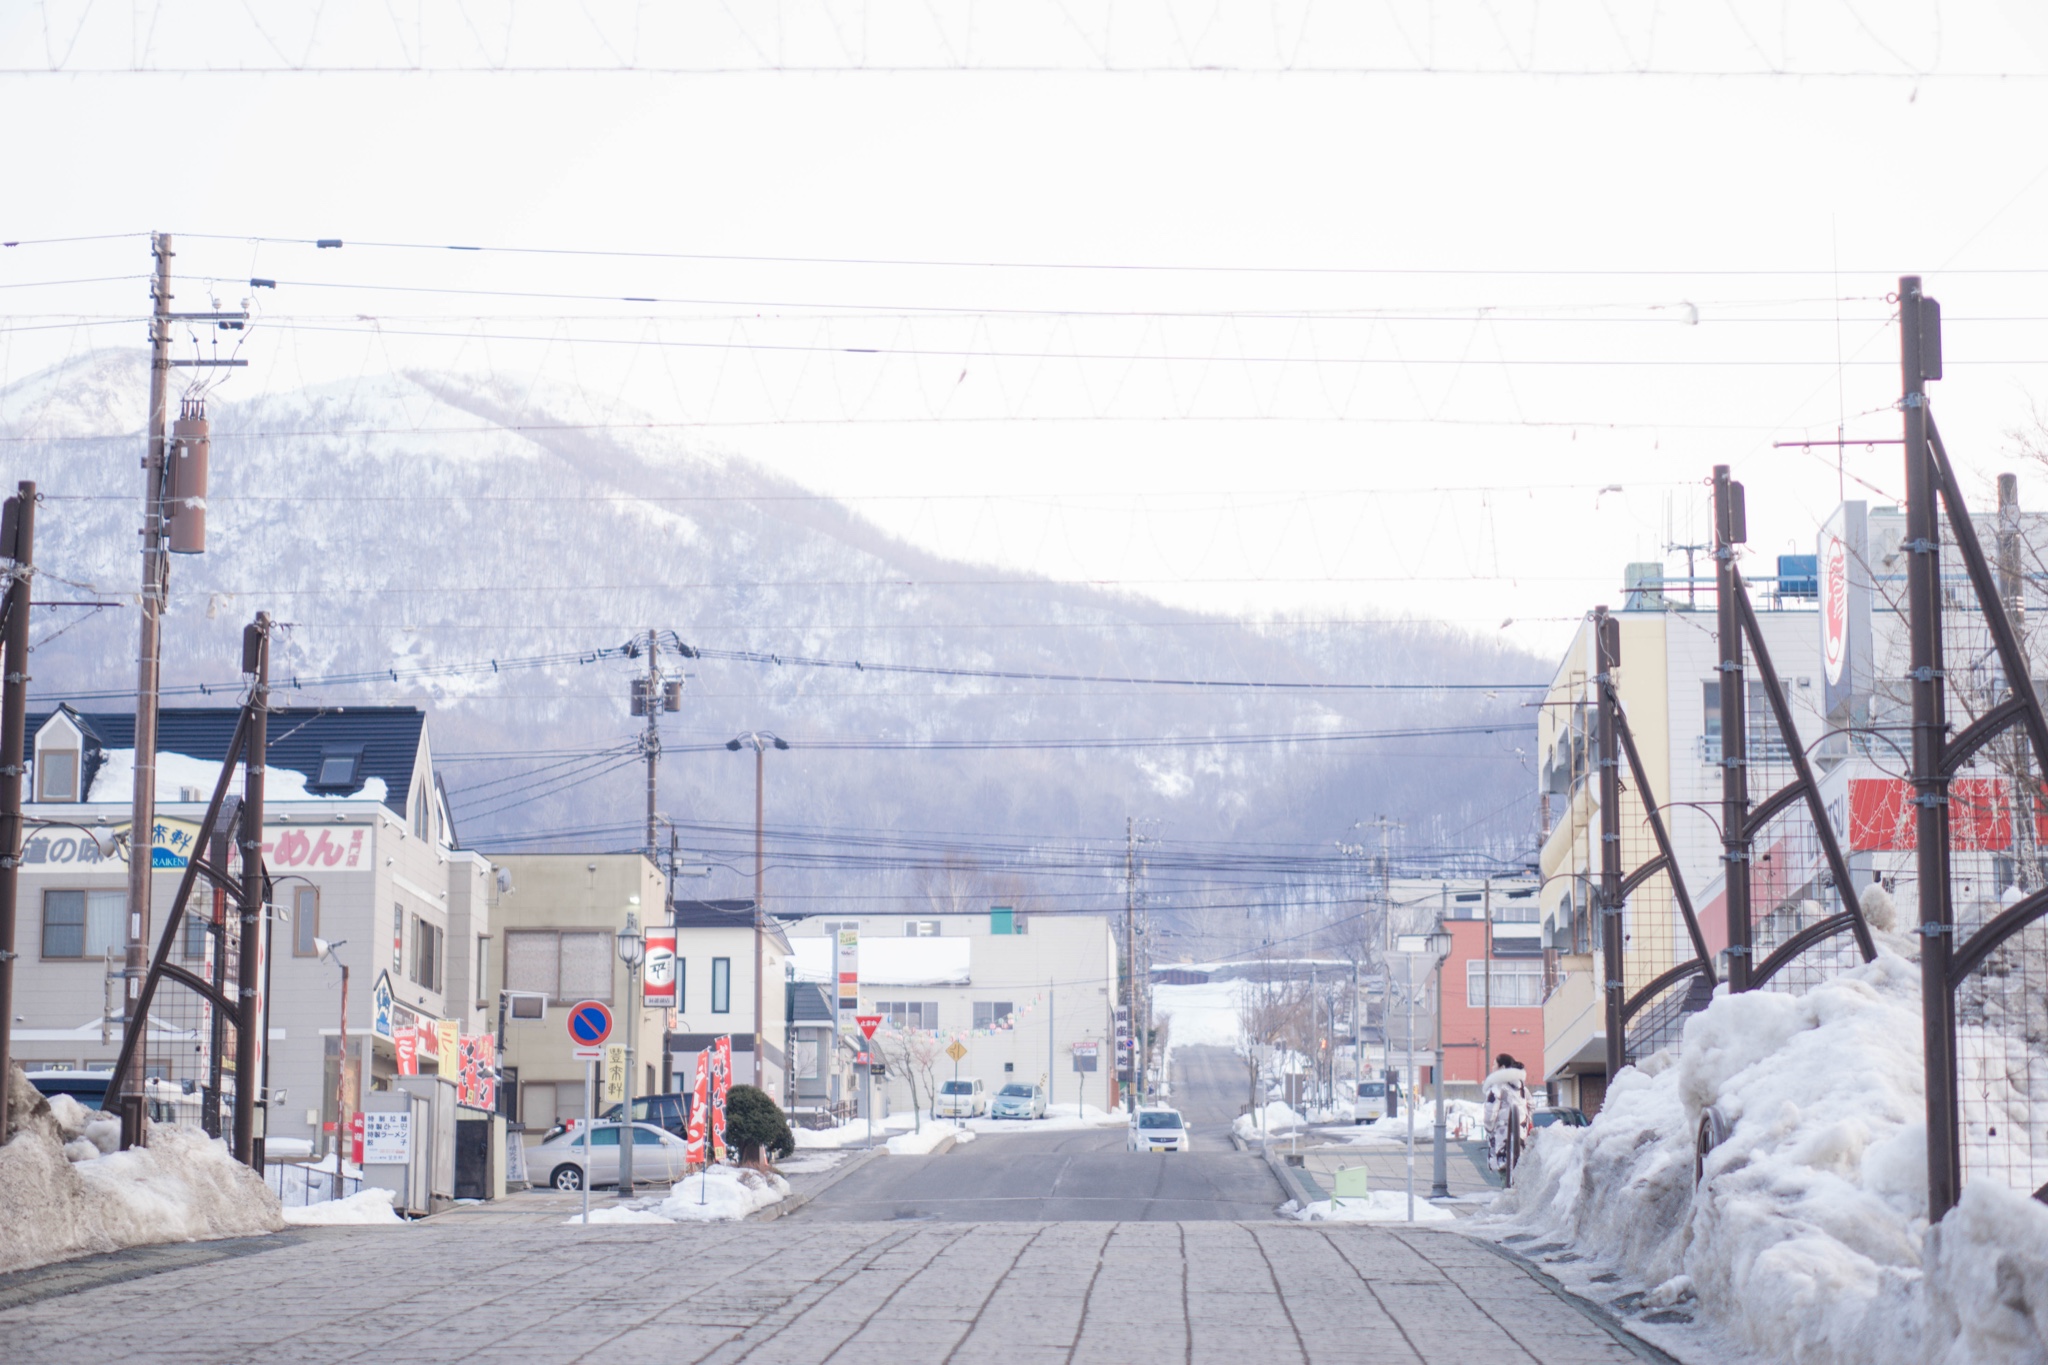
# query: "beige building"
557, 916
357, 838
1668, 683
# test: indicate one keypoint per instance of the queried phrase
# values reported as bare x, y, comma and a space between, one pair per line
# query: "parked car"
963, 1098
1549, 1114
657, 1156
1158, 1130
663, 1111
1018, 1101
167, 1101
1371, 1102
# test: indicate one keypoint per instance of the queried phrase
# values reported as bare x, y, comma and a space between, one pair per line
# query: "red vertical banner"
700, 1110
659, 974
721, 1083
407, 1042
355, 1137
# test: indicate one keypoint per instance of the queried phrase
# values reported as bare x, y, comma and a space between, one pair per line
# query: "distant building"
1016, 991
715, 992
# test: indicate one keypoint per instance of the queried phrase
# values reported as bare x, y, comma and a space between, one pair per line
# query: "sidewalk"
1319, 1159
794, 1292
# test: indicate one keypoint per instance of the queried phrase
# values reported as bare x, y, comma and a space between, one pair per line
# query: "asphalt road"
1082, 1176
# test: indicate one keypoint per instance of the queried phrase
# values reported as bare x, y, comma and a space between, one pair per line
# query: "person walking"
1506, 1091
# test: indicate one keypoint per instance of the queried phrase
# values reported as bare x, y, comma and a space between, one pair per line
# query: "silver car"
1017, 1100
657, 1156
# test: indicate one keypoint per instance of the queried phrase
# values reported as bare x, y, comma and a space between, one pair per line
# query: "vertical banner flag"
721, 1084
614, 1073
448, 1046
700, 1111
407, 1041
660, 977
848, 972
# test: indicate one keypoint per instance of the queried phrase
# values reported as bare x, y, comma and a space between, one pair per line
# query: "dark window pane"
63, 924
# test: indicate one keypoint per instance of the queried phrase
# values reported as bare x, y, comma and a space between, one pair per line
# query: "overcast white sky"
1525, 288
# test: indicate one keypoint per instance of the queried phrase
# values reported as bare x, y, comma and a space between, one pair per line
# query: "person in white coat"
1506, 1091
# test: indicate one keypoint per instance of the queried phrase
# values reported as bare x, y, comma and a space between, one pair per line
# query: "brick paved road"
504, 1289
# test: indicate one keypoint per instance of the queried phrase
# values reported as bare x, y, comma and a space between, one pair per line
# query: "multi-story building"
557, 917
715, 995
1016, 991
357, 840
1669, 685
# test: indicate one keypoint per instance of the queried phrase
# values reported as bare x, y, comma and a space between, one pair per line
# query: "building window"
426, 954
1516, 985
338, 768
921, 928
993, 1013
909, 1014
195, 942
305, 920
420, 826
831, 927
564, 965
83, 923
721, 985
1518, 908
57, 775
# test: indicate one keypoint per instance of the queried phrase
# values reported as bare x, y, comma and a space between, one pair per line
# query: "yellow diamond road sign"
955, 1051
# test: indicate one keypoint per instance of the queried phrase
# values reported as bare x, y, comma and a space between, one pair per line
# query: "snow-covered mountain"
408, 520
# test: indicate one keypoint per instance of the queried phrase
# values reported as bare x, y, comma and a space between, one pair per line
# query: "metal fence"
300, 1183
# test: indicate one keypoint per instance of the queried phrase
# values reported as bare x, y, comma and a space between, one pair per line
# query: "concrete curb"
1594, 1313
1298, 1184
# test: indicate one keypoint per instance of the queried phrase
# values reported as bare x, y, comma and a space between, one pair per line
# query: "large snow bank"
65, 1192
364, 1207
1807, 1239
1379, 1206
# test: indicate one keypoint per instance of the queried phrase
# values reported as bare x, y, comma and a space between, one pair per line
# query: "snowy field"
1807, 1240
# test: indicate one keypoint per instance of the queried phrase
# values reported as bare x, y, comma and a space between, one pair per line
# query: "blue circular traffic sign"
590, 1022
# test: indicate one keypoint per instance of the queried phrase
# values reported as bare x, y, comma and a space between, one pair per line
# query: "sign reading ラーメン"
283, 846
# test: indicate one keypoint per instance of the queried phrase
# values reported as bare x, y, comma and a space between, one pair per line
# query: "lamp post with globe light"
632, 952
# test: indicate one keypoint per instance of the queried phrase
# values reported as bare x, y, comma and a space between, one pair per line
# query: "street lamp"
326, 952
632, 952
1410, 947
761, 740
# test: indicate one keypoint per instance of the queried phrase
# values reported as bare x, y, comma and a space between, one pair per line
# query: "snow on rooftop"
115, 780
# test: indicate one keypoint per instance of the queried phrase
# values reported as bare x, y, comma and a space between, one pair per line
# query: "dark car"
1570, 1118
663, 1111
89, 1088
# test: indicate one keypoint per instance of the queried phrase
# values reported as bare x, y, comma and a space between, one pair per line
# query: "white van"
963, 1098
1371, 1103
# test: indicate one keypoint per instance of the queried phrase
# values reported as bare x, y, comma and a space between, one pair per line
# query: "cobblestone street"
485, 1287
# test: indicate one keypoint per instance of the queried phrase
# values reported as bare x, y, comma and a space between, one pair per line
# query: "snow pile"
364, 1207
1379, 1206
1807, 1239
921, 1143
1276, 1117
723, 1194
622, 1213
1463, 1120
65, 1192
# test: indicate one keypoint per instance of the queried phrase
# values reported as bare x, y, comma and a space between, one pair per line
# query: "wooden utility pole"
18, 545
149, 661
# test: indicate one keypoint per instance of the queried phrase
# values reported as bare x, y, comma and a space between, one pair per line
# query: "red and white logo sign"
660, 980
868, 1024
1834, 608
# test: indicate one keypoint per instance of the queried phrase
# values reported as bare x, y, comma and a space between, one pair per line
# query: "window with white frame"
565, 965
82, 923
721, 985
921, 928
57, 775
993, 1013
1516, 985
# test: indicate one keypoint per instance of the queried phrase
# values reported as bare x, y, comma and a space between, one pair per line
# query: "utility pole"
1486, 1053
1131, 949
1729, 532
653, 695
17, 543
760, 864
149, 661
255, 900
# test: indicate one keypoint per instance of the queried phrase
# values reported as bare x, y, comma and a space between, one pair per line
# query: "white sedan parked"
657, 1156
1158, 1130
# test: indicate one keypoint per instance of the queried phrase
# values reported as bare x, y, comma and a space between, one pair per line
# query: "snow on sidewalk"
1808, 1240
1379, 1206
365, 1208
722, 1194
64, 1192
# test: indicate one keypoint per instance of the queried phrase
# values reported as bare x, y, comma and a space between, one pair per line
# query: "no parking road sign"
590, 1023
